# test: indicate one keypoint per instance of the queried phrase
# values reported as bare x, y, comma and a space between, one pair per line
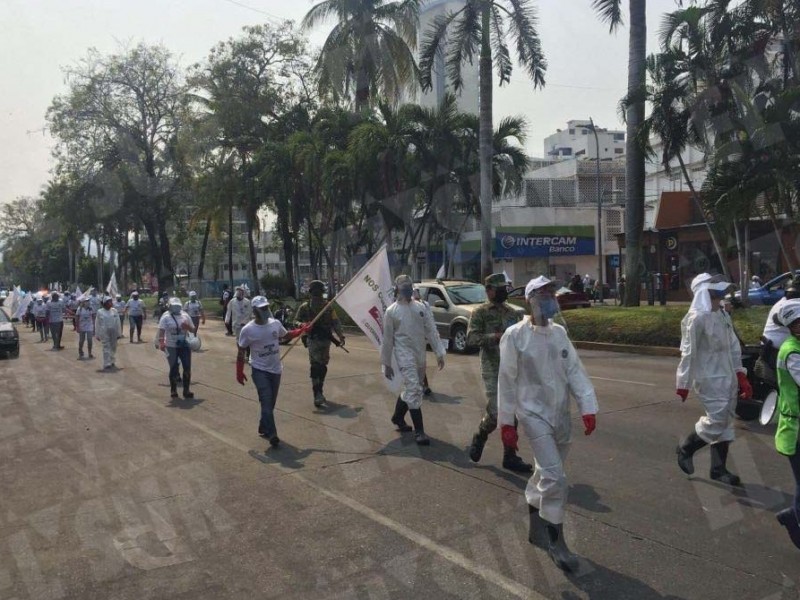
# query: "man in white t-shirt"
84, 321
194, 308
55, 316
173, 328
262, 336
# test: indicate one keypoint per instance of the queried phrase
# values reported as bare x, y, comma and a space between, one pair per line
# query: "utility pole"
599, 213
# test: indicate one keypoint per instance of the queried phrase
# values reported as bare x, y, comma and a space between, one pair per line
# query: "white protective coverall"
773, 330
539, 370
710, 358
239, 314
107, 329
407, 326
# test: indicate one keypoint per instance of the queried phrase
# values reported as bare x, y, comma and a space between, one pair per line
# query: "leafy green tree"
370, 49
117, 128
483, 28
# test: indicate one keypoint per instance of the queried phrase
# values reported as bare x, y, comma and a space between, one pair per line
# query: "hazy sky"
586, 75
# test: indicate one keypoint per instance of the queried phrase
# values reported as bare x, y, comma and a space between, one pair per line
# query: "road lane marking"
623, 381
489, 575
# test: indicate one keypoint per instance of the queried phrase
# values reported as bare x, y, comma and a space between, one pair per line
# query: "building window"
619, 150
259, 266
584, 132
566, 152
580, 153
572, 132
619, 137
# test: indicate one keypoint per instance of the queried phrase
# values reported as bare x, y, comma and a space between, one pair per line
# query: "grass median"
651, 325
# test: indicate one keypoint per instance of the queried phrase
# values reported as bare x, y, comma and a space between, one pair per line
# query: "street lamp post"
599, 213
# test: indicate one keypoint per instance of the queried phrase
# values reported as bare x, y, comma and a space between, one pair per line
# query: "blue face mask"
546, 308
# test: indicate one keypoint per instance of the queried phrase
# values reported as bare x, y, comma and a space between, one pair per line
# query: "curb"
626, 349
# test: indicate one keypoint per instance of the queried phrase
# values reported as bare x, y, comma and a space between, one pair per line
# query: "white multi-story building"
578, 141
468, 96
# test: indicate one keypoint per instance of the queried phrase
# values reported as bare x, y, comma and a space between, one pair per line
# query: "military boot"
513, 462
476, 447
187, 380
537, 528
686, 450
719, 470
319, 399
173, 388
399, 416
788, 519
419, 428
557, 549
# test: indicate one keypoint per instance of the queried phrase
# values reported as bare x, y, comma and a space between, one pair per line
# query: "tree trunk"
362, 89
203, 250
251, 247
634, 164
166, 275
230, 244
485, 143
288, 246
722, 258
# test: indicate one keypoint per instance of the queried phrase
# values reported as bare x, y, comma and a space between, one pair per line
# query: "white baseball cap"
535, 284
259, 302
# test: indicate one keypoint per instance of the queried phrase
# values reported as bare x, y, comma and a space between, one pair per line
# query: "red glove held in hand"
510, 437
302, 330
240, 376
682, 394
745, 389
589, 424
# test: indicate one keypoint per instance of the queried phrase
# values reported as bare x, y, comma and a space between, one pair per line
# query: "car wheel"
748, 411
458, 339
14, 353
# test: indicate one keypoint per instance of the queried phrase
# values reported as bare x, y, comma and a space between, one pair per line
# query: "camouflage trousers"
319, 355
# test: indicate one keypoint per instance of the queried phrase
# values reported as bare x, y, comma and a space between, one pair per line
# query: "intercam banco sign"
524, 242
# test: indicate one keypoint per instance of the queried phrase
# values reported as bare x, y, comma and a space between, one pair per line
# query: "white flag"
78, 291
366, 297
23, 306
111, 288
440, 274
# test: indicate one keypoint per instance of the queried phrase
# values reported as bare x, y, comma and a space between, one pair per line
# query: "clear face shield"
544, 305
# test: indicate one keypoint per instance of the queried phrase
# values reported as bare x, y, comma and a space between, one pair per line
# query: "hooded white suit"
539, 370
710, 358
406, 327
107, 329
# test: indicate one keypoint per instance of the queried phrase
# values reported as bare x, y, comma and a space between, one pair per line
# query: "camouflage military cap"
316, 287
496, 280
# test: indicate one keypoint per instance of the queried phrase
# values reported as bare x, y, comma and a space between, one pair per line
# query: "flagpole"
331, 301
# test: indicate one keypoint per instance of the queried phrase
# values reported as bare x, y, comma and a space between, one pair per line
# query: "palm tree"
610, 11
370, 48
483, 27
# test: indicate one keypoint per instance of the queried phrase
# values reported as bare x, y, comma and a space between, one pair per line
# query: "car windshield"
467, 293
3, 317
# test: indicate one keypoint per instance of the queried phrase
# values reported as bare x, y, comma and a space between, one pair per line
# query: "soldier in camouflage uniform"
486, 327
320, 337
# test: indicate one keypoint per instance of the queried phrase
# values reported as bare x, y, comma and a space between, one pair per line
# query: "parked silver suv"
452, 302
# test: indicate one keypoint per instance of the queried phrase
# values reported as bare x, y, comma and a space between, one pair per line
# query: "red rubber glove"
745, 389
589, 424
240, 376
509, 435
682, 394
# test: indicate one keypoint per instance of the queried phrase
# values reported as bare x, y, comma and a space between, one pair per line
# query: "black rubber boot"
476, 447
319, 399
187, 380
419, 428
788, 519
399, 416
173, 388
537, 529
686, 450
719, 459
512, 462
557, 549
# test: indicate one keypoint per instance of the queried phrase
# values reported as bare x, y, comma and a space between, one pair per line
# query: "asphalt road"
111, 490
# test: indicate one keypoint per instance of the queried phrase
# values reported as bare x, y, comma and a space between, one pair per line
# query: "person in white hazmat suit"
107, 332
775, 333
407, 325
539, 371
711, 365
